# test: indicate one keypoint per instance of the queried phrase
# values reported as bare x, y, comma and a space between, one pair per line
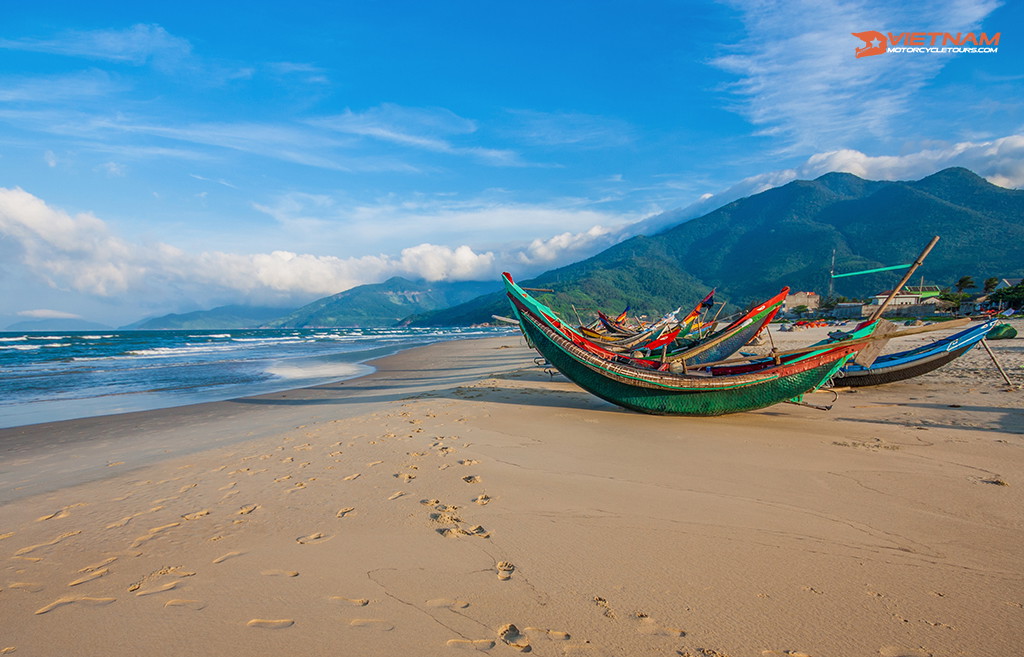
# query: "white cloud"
79, 252
503, 226
430, 129
43, 313
798, 79
568, 247
76, 87
137, 45
574, 129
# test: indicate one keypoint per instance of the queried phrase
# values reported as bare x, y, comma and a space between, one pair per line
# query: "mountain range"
747, 250
750, 248
382, 304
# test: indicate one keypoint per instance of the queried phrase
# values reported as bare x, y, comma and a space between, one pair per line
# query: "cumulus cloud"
568, 247
79, 252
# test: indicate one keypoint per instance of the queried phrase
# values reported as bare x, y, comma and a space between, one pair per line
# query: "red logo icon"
874, 43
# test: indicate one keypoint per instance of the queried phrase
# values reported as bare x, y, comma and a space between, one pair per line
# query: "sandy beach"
461, 499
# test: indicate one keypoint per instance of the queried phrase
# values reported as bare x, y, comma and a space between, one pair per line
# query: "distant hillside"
223, 317
382, 304
752, 247
57, 324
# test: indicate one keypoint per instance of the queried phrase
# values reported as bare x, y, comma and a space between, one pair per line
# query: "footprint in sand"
447, 603
373, 463
246, 510
280, 573
649, 627
90, 577
278, 624
124, 521
405, 476
372, 624
505, 570
541, 633
225, 557
396, 495
33, 548
97, 566
315, 537
482, 499
195, 605
351, 477
355, 602
468, 462
160, 588
60, 602
196, 515
512, 637
62, 513
153, 533
471, 479
482, 645
344, 512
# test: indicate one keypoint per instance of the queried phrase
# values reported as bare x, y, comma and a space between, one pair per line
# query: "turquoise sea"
65, 375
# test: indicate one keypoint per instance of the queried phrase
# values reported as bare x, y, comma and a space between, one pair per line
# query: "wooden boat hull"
662, 393
907, 364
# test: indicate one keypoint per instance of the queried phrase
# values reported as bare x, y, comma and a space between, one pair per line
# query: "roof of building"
915, 291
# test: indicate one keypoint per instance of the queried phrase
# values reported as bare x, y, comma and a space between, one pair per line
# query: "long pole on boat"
906, 277
984, 343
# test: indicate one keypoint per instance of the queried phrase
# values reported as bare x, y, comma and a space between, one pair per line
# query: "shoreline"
103, 440
459, 499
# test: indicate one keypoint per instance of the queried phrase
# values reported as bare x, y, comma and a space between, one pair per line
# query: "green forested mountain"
752, 247
382, 304
223, 317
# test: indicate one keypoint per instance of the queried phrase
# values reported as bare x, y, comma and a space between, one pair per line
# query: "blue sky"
165, 157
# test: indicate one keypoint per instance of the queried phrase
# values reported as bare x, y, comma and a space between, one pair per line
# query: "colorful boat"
650, 386
915, 362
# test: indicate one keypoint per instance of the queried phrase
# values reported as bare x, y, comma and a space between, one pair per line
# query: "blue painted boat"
914, 362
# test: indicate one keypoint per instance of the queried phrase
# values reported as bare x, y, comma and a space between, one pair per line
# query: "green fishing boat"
652, 387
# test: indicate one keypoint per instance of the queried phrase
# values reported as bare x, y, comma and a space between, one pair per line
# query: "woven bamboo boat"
650, 387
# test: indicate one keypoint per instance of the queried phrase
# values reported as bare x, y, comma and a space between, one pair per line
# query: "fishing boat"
650, 386
915, 362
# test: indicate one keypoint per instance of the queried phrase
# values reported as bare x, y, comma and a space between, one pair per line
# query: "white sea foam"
325, 371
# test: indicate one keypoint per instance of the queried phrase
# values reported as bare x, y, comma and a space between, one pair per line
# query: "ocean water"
65, 375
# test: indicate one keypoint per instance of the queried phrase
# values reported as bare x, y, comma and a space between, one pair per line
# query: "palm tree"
965, 283
990, 284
